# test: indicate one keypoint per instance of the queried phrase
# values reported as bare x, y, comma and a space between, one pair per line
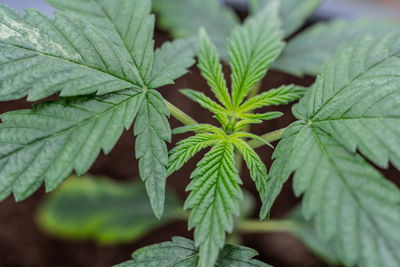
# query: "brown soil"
22, 244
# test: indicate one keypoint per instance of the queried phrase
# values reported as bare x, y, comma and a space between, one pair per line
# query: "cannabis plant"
98, 57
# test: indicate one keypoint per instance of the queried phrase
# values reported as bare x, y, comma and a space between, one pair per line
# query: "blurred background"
23, 243
329, 9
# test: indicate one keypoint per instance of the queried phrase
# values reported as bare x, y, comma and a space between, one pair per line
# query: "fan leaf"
356, 99
50, 141
152, 130
77, 56
171, 62
351, 202
182, 252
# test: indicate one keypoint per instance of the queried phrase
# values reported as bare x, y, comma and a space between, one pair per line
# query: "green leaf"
41, 56
187, 148
211, 69
306, 53
152, 130
184, 18
280, 96
258, 171
356, 99
99, 209
279, 171
351, 202
50, 141
349, 199
214, 197
252, 49
293, 13
182, 252
128, 23
112, 53
171, 62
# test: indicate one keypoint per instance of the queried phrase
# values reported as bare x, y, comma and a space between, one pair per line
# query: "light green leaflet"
182, 252
306, 53
67, 55
98, 209
354, 105
215, 186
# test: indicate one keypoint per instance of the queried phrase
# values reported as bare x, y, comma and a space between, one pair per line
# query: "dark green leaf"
351, 202
50, 141
182, 252
41, 56
152, 130
171, 62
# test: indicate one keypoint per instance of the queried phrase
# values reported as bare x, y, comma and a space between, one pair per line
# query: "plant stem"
269, 137
180, 115
254, 226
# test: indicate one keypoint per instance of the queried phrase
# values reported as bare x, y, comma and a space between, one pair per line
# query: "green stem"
180, 115
254, 226
269, 137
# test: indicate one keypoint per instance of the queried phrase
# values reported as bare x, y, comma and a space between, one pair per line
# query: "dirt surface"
22, 244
